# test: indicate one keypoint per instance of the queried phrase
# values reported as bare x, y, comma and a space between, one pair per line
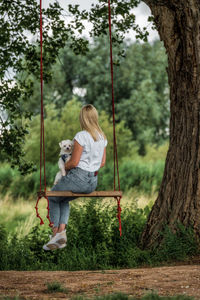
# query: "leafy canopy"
20, 56
140, 87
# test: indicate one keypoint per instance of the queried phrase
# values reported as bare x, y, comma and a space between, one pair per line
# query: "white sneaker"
51, 245
56, 242
61, 238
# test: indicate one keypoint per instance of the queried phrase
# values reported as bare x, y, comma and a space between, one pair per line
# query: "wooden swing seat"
93, 194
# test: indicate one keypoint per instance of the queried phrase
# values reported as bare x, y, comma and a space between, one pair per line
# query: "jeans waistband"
90, 174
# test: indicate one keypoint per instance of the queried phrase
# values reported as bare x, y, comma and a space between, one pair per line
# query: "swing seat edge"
93, 194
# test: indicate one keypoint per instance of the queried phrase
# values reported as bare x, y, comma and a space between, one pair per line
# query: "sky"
142, 12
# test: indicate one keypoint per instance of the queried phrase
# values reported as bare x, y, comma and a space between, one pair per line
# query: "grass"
56, 287
122, 296
138, 199
117, 296
17, 216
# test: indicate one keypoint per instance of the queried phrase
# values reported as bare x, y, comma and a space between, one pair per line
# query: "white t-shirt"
92, 154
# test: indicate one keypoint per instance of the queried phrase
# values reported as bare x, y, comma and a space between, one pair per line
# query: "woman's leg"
54, 210
77, 181
59, 206
61, 228
64, 214
55, 230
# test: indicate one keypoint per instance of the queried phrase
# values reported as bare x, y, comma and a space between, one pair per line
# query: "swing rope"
42, 193
115, 157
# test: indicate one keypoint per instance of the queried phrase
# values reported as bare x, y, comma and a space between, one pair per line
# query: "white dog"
66, 147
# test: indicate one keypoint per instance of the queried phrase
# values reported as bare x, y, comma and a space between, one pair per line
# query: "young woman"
88, 156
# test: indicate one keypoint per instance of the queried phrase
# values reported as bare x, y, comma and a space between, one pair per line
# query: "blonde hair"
89, 121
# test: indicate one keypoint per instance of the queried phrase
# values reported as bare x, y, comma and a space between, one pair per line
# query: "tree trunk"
178, 23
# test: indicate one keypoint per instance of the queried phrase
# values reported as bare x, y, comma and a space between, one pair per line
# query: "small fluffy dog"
66, 147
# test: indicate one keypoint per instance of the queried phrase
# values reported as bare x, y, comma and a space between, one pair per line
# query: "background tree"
145, 105
141, 88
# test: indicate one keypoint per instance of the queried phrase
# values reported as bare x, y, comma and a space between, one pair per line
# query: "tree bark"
178, 24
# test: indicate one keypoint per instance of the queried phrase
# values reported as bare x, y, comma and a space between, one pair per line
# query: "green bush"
55, 287
144, 177
4, 261
177, 245
7, 175
94, 243
25, 186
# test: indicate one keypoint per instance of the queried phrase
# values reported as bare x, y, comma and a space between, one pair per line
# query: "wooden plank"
93, 194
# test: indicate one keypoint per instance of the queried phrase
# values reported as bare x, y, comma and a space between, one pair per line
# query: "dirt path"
172, 280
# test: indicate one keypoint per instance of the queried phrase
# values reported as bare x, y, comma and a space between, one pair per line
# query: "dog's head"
66, 146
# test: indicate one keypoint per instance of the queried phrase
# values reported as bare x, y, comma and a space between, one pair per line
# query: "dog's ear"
60, 144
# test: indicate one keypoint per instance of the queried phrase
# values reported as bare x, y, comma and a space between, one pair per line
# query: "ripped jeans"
76, 181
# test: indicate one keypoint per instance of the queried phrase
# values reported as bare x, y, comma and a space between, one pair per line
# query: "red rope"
115, 158
42, 139
42, 194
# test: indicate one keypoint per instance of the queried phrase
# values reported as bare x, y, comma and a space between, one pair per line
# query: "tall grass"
19, 216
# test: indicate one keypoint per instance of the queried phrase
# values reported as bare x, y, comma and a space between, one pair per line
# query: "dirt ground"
173, 280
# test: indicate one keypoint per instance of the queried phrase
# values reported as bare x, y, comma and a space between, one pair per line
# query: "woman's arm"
103, 158
75, 158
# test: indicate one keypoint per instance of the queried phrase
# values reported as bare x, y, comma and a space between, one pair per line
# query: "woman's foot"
56, 242
61, 237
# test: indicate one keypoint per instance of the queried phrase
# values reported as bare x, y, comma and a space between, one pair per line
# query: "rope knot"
41, 194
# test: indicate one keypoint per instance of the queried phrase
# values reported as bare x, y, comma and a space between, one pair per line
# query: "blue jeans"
76, 181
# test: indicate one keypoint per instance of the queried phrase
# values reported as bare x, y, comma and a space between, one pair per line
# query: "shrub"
25, 186
94, 243
144, 177
177, 245
3, 248
55, 287
7, 175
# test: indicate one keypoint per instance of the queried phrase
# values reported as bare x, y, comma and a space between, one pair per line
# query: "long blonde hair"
89, 121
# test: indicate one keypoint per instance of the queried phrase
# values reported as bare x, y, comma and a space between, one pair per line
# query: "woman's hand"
75, 158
